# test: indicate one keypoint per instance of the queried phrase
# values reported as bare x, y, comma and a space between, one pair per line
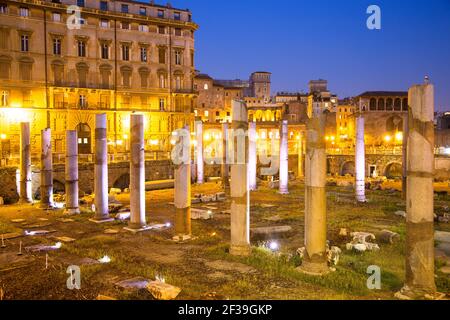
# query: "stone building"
119, 57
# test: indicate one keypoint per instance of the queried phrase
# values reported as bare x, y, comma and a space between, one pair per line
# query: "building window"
143, 11
25, 71
177, 16
5, 68
5, 96
205, 87
125, 52
125, 26
126, 77
178, 55
56, 17
144, 78
104, 5
80, 3
143, 54
57, 47
3, 8
24, 12
190, 17
82, 101
162, 55
162, 80
104, 23
160, 13
105, 50
178, 82
24, 43
192, 58
58, 74
81, 48
178, 32
161, 30
162, 103
143, 28
124, 8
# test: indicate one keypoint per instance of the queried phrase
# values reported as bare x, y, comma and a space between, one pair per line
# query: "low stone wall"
8, 184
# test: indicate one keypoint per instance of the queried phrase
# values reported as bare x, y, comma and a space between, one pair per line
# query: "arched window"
25, 68
58, 72
398, 104
144, 73
162, 78
82, 70
381, 105
389, 104
126, 72
373, 104
105, 74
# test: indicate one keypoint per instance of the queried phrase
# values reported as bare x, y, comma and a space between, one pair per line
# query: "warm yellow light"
399, 136
16, 115
333, 138
119, 142
154, 142
2, 136
125, 137
194, 143
298, 137
207, 137
327, 138
387, 138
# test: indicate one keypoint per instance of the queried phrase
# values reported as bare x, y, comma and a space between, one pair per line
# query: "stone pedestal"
137, 173
183, 189
360, 161
25, 192
240, 195
420, 277
199, 152
315, 257
284, 158
225, 168
72, 203
252, 157
46, 170
101, 170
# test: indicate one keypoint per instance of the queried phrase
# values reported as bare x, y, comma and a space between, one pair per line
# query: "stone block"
163, 291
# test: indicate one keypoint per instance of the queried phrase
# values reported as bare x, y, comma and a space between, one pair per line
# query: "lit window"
206, 87
177, 16
105, 51
160, 13
57, 47
4, 101
143, 28
82, 101
104, 23
178, 57
56, 17
3, 8
143, 54
24, 12
81, 48
124, 8
125, 52
143, 11
104, 5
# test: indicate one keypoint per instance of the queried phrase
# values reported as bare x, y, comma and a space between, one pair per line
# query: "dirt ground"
202, 268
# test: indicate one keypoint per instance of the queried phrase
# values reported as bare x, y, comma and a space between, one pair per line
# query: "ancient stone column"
420, 279
101, 169
25, 163
284, 158
360, 161
405, 156
72, 204
315, 257
183, 188
240, 195
46, 169
300, 173
252, 157
137, 173
200, 159
225, 169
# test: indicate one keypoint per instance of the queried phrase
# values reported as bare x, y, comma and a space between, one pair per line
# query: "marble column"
199, 151
25, 163
183, 189
46, 169
71, 171
315, 258
225, 168
284, 158
405, 156
252, 157
101, 170
360, 161
137, 173
420, 277
240, 194
300, 173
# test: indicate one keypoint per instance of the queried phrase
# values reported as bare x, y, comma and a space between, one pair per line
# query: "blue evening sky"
300, 40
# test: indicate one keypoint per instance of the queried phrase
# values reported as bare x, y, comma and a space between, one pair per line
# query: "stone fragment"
137, 283
198, 214
115, 191
221, 196
111, 231
43, 248
65, 239
271, 230
400, 213
387, 236
18, 220
163, 291
360, 242
343, 232
123, 216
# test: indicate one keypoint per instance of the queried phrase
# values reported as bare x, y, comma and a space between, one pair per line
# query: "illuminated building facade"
119, 57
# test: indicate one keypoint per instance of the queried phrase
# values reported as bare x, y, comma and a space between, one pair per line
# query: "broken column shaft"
284, 158
25, 163
46, 169
199, 151
183, 187
360, 161
420, 277
225, 168
240, 195
72, 204
315, 258
252, 157
137, 173
101, 169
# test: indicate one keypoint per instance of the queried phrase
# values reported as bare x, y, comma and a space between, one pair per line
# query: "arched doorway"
394, 170
84, 138
348, 168
123, 182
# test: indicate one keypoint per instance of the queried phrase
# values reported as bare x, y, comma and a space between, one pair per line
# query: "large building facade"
60, 65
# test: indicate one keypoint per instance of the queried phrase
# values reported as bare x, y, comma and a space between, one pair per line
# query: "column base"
99, 221
314, 269
25, 201
47, 206
407, 293
240, 251
283, 192
182, 238
72, 211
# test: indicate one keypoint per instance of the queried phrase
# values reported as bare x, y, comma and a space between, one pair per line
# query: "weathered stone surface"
271, 230
198, 214
222, 265
386, 236
400, 213
163, 291
137, 283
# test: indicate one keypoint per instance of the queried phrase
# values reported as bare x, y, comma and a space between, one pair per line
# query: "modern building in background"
125, 56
